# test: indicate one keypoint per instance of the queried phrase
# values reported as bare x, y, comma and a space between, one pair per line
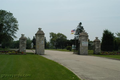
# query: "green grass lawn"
90, 52
109, 56
32, 67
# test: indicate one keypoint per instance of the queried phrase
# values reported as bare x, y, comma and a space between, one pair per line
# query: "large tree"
107, 41
53, 37
61, 40
118, 39
58, 40
8, 26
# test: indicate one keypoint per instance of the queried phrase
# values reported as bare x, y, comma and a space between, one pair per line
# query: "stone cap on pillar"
23, 36
96, 40
83, 33
40, 32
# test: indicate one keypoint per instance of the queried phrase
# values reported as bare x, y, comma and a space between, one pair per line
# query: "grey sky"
64, 15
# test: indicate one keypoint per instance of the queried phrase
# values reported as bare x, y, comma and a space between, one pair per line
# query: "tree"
107, 41
115, 46
28, 45
58, 40
61, 40
14, 44
47, 45
118, 40
8, 26
53, 37
34, 42
90, 44
118, 35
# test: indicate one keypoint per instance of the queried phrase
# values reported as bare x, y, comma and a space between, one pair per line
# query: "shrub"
69, 48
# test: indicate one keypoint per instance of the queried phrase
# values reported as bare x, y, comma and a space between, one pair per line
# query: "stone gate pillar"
83, 39
39, 42
22, 44
97, 46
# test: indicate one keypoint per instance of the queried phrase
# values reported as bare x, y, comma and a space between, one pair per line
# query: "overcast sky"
64, 15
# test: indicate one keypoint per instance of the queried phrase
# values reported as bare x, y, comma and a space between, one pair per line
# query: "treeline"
57, 41
110, 42
15, 44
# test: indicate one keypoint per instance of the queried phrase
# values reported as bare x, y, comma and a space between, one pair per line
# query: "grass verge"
109, 56
90, 52
32, 67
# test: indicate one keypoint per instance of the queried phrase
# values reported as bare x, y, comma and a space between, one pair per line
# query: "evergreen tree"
107, 41
115, 46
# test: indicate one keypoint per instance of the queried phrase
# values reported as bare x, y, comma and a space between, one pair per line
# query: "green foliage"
4, 49
69, 48
8, 27
58, 40
90, 52
115, 46
90, 45
118, 40
28, 45
38, 67
61, 40
15, 44
70, 42
47, 45
107, 41
53, 37
110, 56
34, 42
118, 34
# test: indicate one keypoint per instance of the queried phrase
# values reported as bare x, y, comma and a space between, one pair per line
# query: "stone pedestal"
83, 39
97, 46
22, 44
40, 42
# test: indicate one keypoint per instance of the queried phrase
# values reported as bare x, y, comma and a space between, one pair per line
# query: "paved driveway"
87, 67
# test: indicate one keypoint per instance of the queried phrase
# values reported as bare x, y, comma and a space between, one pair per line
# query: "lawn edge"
64, 67
105, 57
